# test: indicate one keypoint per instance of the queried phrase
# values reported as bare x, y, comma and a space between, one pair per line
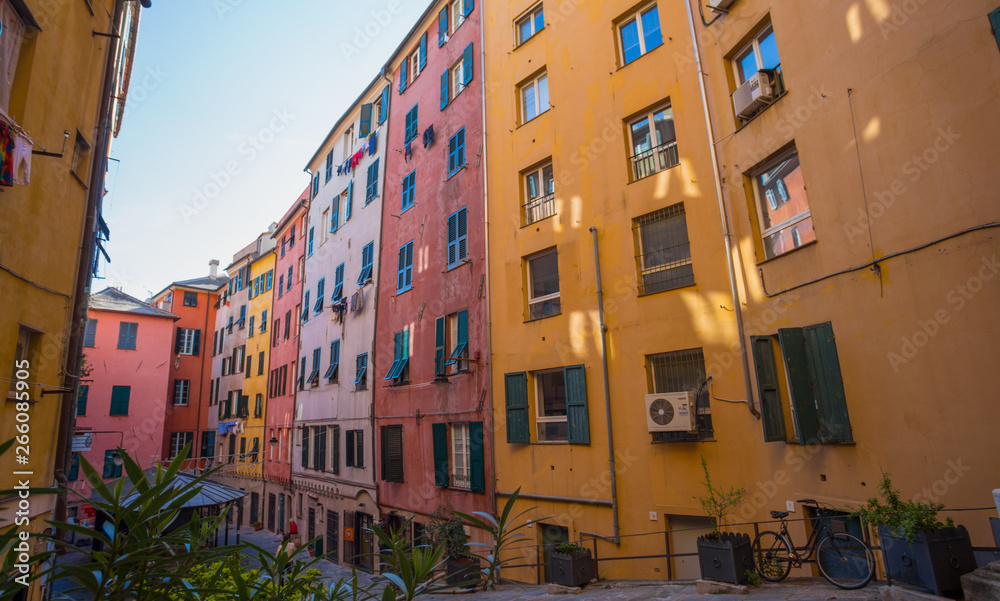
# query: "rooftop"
112, 299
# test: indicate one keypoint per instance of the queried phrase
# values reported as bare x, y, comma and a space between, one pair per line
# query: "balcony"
655, 160
539, 208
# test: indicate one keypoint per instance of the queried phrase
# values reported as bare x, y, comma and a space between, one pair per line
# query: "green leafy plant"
447, 532
718, 502
504, 533
753, 578
568, 548
232, 578
901, 518
411, 572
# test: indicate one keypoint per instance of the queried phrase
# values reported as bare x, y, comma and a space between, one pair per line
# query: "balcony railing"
654, 160
460, 481
539, 208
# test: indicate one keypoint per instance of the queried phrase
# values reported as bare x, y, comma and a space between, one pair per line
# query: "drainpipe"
726, 234
616, 539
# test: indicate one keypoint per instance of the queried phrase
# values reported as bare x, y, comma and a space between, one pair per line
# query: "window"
458, 231
812, 379
663, 251
411, 125
371, 184
460, 9
90, 333
319, 448
15, 30
348, 201
560, 397
451, 342
415, 65
782, 205
681, 371
182, 390
534, 97
760, 53
315, 185
399, 371
361, 377
349, 141
313, 378
539, 194
654, 143
177, 442
456, 152
409, 187
258, 405
119, 399
404, 276
290, 278
332, 372
127, 333
260, 364
188, 342
329, 166
81, 399
81, 157
324, 227
309, 247
305, 308
355, 448
366, 263
288, 321
111, 470
531, 23
639, 33
460, 468
550, 405
392, 453
74, 467
243, 316
543, 285
190, 299
263, 321
338, 283
456, 78
281, 285
243, 444
320, 296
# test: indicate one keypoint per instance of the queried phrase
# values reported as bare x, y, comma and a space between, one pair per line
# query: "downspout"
201, 380
84, 267
727, 235
486, 259
616, 539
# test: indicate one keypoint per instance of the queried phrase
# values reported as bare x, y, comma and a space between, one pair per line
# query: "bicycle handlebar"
807, 501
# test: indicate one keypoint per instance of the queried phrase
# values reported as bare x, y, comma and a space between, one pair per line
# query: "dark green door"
551, 536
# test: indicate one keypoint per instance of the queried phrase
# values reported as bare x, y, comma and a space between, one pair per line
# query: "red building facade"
430, 372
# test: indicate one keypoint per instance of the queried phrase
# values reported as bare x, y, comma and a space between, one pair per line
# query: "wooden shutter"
516, 392
366, 120
348, 204
577, 417
442, 26
439, 352
772, 416
469, 5
828, 384
197, 342
452, 220
463, 328
793, 349
336, 450
122, 335
392, 453
477, 465
401, 271
384, 112
359, 455
179, 341
349, 448
403, 74
463, 233
440, 432
467, 65
995, 24
305, 447
445, 91
423, 51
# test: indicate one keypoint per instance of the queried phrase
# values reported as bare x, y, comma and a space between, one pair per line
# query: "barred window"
680, 371
663, 250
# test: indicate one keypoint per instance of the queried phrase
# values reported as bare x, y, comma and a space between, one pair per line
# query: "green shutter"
336, 450
404, 352
423, 51
197, 341
467, 65
119, 400
463, 327
995, 24
772, 416
440, 432
793, 348
516, 391
828, 384
177, 341
576, 404
439, 346
384, 113
476, 464
445, 81
305, 447
442, 26
81, 402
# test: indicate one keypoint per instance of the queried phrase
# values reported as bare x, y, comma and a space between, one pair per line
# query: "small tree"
503, 532
718, 503
447, 532
901, 518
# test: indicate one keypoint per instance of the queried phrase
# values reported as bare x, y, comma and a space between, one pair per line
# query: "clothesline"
10, 121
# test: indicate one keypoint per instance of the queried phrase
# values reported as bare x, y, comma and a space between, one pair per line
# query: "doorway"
552, 535
684, 533
333, 536
270, 511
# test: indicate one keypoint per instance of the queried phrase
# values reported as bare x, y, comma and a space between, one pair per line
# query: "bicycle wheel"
772, 556
845, 560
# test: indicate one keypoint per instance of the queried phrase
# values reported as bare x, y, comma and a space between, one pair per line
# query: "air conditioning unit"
671, 412
720, 4
755, 93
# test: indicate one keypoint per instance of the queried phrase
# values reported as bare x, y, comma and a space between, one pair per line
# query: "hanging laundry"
364, 147
22, 160
372, 143
429, 136
407, 152
6, 155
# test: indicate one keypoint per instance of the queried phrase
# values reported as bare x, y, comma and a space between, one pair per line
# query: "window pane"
630, 41
552, 386
544, 275
553, 431
543, 93
782, 180
663, 121
533, 187
769, 51
651, 28
528, 94
539, 21
549, 182
524, 29
789, 238
747, 65
641, 137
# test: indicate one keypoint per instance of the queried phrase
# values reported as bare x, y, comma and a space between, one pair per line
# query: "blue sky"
230, 99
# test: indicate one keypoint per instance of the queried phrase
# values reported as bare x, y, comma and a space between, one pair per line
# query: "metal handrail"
539, 208
654, 160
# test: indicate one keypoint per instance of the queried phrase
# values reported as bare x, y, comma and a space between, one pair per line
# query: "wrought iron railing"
539, 208
655, 160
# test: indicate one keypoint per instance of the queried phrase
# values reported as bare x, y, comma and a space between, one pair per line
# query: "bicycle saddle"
779, 514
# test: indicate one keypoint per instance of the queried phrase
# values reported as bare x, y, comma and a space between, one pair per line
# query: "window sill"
712, 439
674, 289
541, 318
525, 41
635, 181
404, 291
408, 207
549, 442
785, 254
533, 119
78, 179
465, 261
457, 171
527, 225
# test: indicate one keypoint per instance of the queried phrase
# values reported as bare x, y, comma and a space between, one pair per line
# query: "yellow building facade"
791, 379
55, 74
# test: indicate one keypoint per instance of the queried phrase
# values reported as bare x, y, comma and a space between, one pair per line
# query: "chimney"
213, 268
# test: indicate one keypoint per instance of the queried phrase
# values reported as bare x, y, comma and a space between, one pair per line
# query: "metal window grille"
663, 250
654, 160
682, 371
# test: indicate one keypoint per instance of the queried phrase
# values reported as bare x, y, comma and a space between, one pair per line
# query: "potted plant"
257, 526
723, 556
919, 551
571, 565
448, 532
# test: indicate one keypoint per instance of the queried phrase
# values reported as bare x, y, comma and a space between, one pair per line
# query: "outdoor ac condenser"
671, 412
755, 93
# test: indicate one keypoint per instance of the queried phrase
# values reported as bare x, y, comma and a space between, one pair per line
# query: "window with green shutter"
90, 333
440, 435
81, 400
305, 447
74, 468
110, 469
119, 399
477, 463
392, 453
771, 413
516, 401
577, 417
127, 334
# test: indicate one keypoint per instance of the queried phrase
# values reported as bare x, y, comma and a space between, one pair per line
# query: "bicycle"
844, 560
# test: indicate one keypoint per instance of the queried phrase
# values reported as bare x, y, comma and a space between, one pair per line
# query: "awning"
211, 493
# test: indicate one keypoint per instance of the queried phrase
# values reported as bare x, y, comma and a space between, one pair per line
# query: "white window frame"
461, 465
533, 83
324, 232
182, 394
414, 59
529, 16
650, 119
753, 46
187, 341
177, 442
457, 15
540, 404
637, 17
535, 300
457, 87
758, 192
540, 200
348, 148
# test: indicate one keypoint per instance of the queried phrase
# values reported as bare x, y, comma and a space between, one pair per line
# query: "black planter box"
934, 563
995, 524
464, 571
572, 570
726, 558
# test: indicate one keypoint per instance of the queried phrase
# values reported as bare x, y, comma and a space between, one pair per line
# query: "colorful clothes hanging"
6, 155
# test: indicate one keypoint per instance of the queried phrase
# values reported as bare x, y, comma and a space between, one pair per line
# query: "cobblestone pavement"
794, 589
